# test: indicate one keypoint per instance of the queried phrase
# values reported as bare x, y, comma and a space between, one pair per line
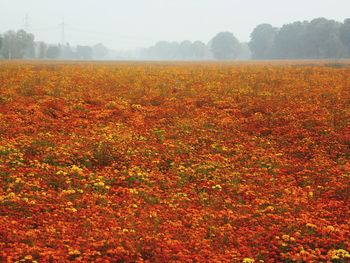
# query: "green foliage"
344, 32
53, 52
262, 41
318, 39
17, 45
225, 46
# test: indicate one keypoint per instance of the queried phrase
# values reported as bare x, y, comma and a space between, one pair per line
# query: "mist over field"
174, 30
175, 131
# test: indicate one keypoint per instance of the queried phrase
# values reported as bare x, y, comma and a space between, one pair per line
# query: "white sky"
129, 24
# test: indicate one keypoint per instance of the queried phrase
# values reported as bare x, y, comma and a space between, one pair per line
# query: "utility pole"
63, 33
26, 25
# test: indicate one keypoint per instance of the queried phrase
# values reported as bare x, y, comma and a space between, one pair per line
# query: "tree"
185, 51
344, 34
9, 48
67, 52
290, 41
262, 41
17, 44
165, 50
323, 39
201, 51
84, 52
100, 51
245, 53
1, 41
42, 49
225, 46
53, 52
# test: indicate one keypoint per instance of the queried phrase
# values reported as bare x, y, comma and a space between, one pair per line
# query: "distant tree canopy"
318, 39
262, 41
99, 51
84, 52
225, 46
185, 50
17, 45
200, 50
323, 39
53, 52
20, 45
344, 32
289, 41
42, 49
67, 52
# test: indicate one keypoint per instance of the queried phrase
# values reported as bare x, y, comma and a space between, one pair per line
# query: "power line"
48, 28
109, 35
64, 29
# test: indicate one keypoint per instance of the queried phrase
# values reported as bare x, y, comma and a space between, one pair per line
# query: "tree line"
319, 38
21, 45
223, 46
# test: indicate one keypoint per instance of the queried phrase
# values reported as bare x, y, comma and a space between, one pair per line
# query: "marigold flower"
74, 252
286, 237
218, 187
99, 184
340, 254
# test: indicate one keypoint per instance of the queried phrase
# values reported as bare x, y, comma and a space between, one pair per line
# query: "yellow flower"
72, 209
340, 254
77, 170
286, 238
70, 191
11, 196
60, 172
133, 191
218, 187
311, 225
74, 252
99, 184
248, 260
269, 208
330, 228
303, 252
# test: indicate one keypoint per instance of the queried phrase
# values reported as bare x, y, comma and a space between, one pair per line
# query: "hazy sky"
129, 24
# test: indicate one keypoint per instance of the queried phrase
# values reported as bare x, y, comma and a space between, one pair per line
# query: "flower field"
157, 162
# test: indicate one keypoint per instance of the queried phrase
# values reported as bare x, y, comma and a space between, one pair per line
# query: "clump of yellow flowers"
340, 254
217, 187
76, 170
100, 184
74, 252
